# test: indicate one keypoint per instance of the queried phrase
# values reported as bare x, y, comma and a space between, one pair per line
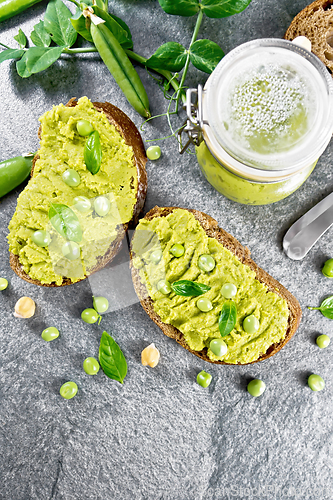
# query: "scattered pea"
90, 316
102, 206
68, 390
153, 152
82, 204
24, 308
101, 304
156, 256
84, 127
218, 347
316, 383
164, 287
71, 250
71, 177
228, 290
327, 270
150, 356
323, 341
251, 324
256, 387
91, 366
3, 283
206, 263
177, 250
204, 379
50, 333
204, 304
41, 238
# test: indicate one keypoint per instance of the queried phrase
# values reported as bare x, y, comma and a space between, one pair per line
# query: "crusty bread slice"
132, 137
212, 229
316, 23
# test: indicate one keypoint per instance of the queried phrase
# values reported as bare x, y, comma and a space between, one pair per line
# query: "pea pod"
121, 68
13, 172
9, 8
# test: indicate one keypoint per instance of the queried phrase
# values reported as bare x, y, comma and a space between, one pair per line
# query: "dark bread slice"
132, 137
212, 229
316, 23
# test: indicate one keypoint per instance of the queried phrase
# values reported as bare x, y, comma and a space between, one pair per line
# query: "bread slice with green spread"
179, 317
121, 182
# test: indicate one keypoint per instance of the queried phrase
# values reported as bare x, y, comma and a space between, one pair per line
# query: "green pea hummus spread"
199, 328
62, 148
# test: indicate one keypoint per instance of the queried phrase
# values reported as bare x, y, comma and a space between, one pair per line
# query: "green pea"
91, 366
228, 290
206, 263
82, 204
101, 304
156, 256
323, 341
41, 238
251, 324
177, 250
102, 206
90, 316
153, 152
71, 250
68, 390
71, 177
3, 283
327, 270
84, 127
50, 333
204, 379
204, 304
316, 383
164, 287
256, 387
218, 347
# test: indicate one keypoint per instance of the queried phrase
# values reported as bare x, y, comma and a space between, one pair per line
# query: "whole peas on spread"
164, 287
316, 383
256, 387
156, 256
50, 333
41, 238
84, 127
218, 347
102, 206
4, 284
101, 304
177, 250
206, 263
71, 177
204, 304
68, 390
204, 379
323, 341
251, 324
82, 204
71, 250
153, 152
91, 366
90, 316
229, 290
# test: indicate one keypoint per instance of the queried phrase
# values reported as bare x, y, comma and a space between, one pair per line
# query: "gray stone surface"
160, 435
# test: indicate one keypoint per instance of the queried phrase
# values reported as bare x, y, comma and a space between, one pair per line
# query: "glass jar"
262, 120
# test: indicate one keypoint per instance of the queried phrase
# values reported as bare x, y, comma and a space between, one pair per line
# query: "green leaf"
170, 56
82, 25
227, 319
223, 8
111, 358
21, 66
39, 36
129, 43
39, 58
188, 288
11, 54
93, 153
326, 307
21, 39
57, 23
180, 7
64, 220
205, 55
102, 4
118, 32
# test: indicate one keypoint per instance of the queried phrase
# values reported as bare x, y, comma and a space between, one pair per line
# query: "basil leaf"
21, 39
205, 55
223, 8
170, 56
227, 319
119, 33
11, 54
180, 7
37, 59
64, 220
57, 23
39, 36
326, 307
81, 25
93, 153
111, 358
188, 288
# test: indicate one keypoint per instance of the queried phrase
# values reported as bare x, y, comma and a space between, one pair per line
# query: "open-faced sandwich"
200, 286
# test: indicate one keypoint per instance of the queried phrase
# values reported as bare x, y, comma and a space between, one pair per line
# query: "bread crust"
316, 23
132, 137
212, 230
